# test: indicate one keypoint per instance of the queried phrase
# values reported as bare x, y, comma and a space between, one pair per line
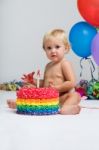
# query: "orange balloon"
89, 10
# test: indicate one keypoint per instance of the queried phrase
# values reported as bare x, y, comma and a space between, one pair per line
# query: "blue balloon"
80, 37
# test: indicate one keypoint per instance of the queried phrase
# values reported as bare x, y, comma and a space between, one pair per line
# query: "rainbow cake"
37, 101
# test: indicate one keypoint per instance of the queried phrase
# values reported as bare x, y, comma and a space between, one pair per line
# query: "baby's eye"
49, 48
57, 46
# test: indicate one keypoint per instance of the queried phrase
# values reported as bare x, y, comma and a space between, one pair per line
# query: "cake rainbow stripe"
37, 101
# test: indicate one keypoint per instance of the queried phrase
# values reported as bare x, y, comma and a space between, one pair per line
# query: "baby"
59, 72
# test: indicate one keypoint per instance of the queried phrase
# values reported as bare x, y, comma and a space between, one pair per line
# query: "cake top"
32, 93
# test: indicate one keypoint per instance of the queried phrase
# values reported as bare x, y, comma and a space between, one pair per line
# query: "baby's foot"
11, 104
70, 110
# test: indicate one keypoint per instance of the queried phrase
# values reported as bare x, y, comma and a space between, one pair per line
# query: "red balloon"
89, 9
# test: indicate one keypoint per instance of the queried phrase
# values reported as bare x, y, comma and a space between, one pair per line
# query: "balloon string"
92, 67
81, 66
97, 29
98, 73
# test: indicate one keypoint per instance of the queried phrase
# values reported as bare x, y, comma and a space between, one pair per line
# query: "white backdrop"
22, 26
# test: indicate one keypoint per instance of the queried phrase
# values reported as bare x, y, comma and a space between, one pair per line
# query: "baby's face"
55, 49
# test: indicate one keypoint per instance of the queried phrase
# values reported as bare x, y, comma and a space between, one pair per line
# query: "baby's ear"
67, 47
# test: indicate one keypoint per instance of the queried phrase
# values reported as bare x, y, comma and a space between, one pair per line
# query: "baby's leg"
69, 105
11, 104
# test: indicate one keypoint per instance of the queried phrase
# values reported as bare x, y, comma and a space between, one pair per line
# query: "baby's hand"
57, 87
51, 84
29, 85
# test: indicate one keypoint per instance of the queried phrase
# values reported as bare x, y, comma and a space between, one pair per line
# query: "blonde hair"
57, 33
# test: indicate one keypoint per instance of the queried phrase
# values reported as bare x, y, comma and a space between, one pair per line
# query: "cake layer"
36, 93
53, 101
38, 110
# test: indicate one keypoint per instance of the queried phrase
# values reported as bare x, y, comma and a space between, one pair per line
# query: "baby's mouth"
53, 56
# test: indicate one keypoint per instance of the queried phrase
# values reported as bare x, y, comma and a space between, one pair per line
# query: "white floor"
57, 132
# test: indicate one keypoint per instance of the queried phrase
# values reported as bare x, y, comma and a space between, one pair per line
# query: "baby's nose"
53, 50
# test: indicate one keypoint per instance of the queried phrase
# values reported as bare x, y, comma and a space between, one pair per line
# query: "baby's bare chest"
54, 74
54, 71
